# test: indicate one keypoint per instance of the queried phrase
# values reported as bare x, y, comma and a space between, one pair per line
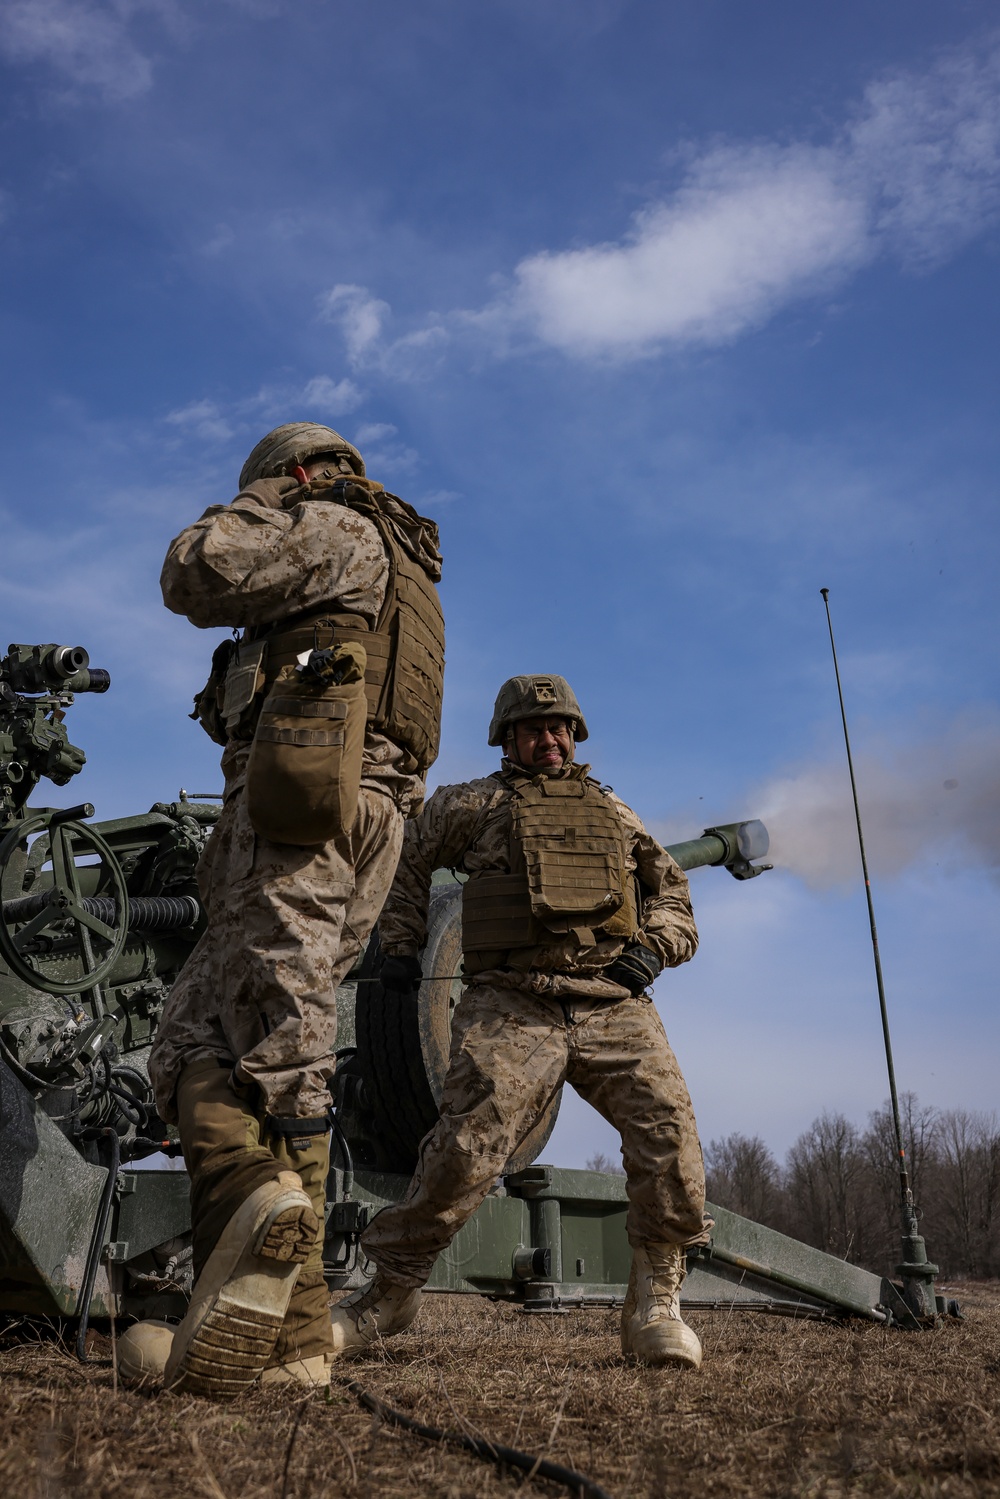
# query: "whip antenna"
918, 1275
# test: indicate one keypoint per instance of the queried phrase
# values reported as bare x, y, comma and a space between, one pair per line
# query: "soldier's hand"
400, 973
635, 969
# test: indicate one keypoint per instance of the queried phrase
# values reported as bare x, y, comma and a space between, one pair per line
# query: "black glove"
635, 969
400, 973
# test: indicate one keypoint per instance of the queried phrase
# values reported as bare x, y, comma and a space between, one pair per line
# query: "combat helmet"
294, 443
535, 697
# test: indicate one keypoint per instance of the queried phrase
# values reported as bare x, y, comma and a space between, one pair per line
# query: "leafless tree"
920, 1126
828, 1188
967, 1196
743, 1175
601, 1162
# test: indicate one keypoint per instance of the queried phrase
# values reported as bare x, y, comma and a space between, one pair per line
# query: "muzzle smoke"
932, 801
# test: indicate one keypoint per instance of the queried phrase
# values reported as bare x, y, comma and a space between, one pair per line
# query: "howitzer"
95, 924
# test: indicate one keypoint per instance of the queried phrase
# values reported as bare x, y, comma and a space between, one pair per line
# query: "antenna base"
917, 1274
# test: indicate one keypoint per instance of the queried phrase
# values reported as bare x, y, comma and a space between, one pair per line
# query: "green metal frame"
547, 1239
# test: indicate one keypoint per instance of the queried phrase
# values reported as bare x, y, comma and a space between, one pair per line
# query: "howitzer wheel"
23, 944
404, 1041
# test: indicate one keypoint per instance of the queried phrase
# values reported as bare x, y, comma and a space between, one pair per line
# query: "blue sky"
671, 314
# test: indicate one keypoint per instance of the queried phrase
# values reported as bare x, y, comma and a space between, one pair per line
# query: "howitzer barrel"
733, 844
695, 853
147, 913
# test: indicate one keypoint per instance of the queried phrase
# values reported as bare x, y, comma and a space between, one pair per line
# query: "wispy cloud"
384, 453
214, 422
320, 396
86, 42
750, 228
216, 426
925, 148
913, 174
203, 419
359, 315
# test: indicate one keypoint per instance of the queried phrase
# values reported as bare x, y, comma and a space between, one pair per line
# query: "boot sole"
232, 1339
684, 1354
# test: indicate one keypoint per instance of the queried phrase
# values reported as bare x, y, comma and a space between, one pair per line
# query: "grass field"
779, 1408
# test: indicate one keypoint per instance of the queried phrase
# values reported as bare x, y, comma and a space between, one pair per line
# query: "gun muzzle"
732, 844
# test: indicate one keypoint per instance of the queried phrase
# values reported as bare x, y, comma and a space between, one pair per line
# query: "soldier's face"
542, 743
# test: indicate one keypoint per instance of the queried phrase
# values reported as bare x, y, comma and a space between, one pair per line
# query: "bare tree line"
839, 1186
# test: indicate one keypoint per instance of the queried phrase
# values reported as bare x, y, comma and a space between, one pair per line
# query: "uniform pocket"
304, 771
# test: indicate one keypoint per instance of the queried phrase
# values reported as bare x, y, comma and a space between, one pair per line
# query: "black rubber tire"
404, 1042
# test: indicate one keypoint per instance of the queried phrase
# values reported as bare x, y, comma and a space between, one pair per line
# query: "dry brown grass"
780, 1408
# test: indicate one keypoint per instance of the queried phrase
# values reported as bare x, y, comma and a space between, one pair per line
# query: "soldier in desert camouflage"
570, 911
310, 554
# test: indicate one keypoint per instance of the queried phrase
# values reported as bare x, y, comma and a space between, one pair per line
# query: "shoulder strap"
490, 806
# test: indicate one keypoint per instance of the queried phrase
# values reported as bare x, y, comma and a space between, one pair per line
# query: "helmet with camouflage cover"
286, 447
535, 697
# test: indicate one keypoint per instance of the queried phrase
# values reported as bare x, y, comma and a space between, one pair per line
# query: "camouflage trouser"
230, 1149
285, 925
510, 1053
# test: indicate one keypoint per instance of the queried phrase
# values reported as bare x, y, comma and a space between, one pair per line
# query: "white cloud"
83, 40
432, 501
915, 173
329, 397
204, 419
750, 229
382, 453
928, 148
213, 423
359, 315
376, 431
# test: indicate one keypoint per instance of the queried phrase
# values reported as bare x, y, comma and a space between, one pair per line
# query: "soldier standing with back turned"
325, 572
569, 913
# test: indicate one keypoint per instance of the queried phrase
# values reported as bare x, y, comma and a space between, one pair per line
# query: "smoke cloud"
934, 800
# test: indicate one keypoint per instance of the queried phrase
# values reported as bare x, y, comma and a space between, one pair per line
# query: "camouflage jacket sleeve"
666, 919
259, 559
438, 839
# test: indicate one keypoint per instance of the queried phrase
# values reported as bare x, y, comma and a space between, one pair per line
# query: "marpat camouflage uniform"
285, 923
518, 1035
247, 1038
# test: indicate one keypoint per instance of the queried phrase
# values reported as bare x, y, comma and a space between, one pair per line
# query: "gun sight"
31, 669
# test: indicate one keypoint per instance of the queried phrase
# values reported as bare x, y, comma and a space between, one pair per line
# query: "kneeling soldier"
569, 913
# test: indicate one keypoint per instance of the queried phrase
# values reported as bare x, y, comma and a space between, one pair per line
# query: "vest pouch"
304, 770
496, 915
573, 846
414, 708
208, 702
243, 686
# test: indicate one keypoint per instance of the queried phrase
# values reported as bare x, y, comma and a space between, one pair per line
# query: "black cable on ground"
490, 1452
97, 1241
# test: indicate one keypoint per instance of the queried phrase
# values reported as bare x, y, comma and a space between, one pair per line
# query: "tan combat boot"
652, 1329
305, 1340
242, 1294
313, 1371
376, 1310
142, 1352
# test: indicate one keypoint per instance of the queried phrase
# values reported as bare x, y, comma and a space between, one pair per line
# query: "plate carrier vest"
404, 675
568, 876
